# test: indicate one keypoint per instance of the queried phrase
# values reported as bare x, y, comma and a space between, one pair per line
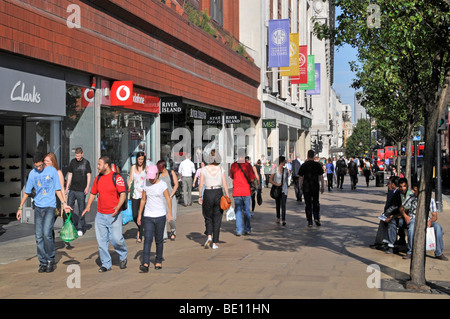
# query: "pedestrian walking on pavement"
242, 173
367, 169
153, 215
45, 181
353, 172
186, 170
256, 196
280, 178
311, 172
296, 164
111, 191
136, 184
170, 178
77, 187
330, 173
213, 179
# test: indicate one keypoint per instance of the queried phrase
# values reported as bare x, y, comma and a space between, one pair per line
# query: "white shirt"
187, 168
155, 205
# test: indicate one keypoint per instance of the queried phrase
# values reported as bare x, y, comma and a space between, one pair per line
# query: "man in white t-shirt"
185, 171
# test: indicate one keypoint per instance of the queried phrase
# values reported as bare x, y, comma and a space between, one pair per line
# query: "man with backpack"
112, 194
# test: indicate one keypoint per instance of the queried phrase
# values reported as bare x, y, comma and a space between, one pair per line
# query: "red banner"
303, 66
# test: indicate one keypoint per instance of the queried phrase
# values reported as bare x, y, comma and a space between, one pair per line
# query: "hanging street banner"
311, 75
316, 90
279, 43
302, 76
293, 69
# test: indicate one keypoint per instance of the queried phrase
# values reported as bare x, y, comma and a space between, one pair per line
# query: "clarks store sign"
31, 94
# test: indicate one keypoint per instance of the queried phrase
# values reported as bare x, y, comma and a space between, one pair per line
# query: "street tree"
415, 37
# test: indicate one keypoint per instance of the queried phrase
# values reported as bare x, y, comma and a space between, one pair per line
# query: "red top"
108, 194
240, 185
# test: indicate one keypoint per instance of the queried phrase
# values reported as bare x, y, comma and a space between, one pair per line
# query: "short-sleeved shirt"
79, 170
46, 183
155, 205
311, 171
108, 194
241, 186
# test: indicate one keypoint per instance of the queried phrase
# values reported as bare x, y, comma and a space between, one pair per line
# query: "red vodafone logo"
122, 93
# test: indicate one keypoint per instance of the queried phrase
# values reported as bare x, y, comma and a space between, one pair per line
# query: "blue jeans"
109, 228
80, 197
43, 227
242, 205
153, 227
437, 232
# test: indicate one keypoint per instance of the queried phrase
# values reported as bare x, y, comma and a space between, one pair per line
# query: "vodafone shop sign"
122, 93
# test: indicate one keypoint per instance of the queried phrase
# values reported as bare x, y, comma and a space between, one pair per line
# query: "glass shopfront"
125, 132
184, 131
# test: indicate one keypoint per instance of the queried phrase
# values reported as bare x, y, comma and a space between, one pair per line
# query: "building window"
216, 9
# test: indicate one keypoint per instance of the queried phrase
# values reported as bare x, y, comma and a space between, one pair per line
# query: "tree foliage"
404, 73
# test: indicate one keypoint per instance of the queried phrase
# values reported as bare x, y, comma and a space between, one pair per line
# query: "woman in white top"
137, 178
154, 216
280, 178
213, 178
171, 179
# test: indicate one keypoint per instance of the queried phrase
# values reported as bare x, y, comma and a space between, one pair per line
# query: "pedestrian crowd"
153, 193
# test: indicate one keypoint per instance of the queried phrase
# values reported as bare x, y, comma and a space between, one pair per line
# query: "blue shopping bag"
127, 214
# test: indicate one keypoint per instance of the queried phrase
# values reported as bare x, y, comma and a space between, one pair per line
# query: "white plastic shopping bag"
431, 239
230, 214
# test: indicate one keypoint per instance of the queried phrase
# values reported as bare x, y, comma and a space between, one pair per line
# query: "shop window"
77, 128
123, 134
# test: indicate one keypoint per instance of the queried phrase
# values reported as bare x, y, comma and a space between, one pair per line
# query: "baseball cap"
152, 171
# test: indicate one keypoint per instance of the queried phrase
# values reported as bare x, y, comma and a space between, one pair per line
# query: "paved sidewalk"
274, 262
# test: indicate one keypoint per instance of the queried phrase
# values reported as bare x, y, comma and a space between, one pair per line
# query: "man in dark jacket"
341, 167
353, 172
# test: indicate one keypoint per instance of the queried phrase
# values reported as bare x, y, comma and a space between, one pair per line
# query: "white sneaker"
80, 233
214, 246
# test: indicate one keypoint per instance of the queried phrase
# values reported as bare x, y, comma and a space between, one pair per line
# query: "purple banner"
279, 43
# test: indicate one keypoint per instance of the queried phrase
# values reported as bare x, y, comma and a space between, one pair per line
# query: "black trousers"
298, 193
135, 203
340, 180
212, 212
312, 206
354, 180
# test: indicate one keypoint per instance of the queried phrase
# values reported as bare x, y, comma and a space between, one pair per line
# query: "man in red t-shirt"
240, 172
108, 221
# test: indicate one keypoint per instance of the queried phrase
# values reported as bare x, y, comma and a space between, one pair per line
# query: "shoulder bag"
275, 191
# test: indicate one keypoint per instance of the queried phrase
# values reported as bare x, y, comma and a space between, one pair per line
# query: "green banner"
311, 85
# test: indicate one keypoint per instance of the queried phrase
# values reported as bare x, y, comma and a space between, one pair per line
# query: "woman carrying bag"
280, 179
213, 178
153, 215
136, 184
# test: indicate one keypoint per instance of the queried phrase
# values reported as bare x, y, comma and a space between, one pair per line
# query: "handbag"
68, 231
225, 202
275, 191
431, 239
127, 214
253, 184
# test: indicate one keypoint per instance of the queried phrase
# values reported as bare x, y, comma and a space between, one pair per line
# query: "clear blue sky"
343, 76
